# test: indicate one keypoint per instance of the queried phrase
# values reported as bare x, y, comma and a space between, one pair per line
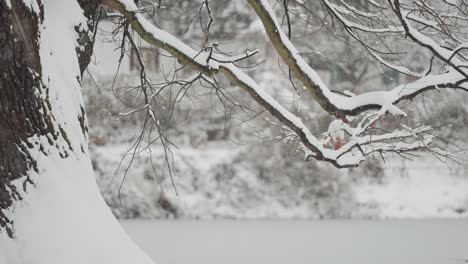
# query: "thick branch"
337, 104
343, 157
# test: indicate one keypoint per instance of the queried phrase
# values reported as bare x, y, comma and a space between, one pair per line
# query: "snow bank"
425, 188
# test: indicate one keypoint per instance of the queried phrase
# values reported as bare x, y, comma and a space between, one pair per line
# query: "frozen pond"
301, 242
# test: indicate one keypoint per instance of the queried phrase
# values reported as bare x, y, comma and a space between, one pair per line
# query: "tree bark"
21, 111
25, 106
51, 210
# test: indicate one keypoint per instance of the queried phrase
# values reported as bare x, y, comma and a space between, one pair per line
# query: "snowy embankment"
211, 182
424, 188
220, 181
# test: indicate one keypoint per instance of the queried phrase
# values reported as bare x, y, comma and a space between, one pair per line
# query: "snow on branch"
339, 104
346, 154
442, 53
201, 63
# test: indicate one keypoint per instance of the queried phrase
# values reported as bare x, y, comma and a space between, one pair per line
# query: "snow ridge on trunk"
63, 218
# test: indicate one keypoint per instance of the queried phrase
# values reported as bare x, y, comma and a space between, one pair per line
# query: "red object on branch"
337, 143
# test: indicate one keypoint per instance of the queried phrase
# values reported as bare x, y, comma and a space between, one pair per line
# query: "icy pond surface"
301, 242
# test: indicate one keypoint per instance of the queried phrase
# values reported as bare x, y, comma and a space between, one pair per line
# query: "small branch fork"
360, 111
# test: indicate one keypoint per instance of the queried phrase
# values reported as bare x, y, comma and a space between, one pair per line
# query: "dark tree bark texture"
24, 102
20, 107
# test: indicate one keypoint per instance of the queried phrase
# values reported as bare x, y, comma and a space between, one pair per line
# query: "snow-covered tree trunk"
51, 210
